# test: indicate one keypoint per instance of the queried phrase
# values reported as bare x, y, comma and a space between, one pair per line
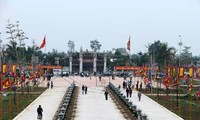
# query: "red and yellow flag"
6, 84
190, 87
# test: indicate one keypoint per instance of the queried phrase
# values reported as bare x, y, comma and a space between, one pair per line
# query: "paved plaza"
92, 106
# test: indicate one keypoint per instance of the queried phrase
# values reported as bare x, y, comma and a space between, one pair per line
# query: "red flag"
129, 44
198, 94
43, 42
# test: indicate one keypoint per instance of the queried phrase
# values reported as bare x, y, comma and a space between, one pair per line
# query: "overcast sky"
109, 21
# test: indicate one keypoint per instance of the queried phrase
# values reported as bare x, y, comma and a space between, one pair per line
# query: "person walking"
130, 92
139, 95
48, 84
49, 77
140, 86
100, 78
137, 84
51, 84
39, 112
83, 89
124, 85
106, 95
127, 92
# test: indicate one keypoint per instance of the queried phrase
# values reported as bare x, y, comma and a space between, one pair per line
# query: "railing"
64, 105
137, 112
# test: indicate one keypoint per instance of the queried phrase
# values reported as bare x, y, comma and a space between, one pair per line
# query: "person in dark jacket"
139, 95
83, 89
51, 84
39, 111
48, 84
127, 92
106, 95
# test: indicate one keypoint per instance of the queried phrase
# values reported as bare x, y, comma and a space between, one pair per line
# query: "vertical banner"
4, 68
174, 72
168, 71
191, 72
198, 72
181, 71
14, 68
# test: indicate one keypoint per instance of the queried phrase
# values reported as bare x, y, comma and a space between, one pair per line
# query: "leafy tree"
95, 45
195, 60
186, 56
161, 53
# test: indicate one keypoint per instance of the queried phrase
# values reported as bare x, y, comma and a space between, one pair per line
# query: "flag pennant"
14, 82
197, 94
190, 87
43, 42
6, 84
129, 44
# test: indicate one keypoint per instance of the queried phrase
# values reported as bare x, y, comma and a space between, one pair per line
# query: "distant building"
87, 61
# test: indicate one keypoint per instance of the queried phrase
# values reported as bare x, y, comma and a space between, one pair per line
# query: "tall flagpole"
130, 46
45, 44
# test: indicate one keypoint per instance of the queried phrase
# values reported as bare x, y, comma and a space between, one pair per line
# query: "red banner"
50, 67
130, 68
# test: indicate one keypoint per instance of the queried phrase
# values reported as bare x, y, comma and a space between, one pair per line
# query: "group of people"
84, 89
128, 91
50, 83
129, 86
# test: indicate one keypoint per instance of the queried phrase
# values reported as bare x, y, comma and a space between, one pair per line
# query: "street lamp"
180, 44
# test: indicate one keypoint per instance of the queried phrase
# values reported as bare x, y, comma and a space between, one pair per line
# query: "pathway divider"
146, 109
64, 105
129, 104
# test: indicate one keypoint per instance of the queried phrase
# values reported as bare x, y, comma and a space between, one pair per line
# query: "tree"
95, 45
71, 46
186, 56
11, 50
15, 35
161, 54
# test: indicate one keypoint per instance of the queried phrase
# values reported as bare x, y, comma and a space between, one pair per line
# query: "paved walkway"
152, 109
93, 106
49, 101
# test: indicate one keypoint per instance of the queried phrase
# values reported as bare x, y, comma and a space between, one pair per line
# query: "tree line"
158, 52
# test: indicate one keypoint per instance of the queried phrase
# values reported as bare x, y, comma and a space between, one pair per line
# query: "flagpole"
45, 45
130, 46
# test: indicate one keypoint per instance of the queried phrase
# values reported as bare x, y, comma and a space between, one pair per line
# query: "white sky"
109, 21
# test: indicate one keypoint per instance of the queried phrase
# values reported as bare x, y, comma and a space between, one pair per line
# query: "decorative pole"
1, 101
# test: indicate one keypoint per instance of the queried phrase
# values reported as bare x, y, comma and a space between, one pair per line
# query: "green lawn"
188, 107
9, 110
